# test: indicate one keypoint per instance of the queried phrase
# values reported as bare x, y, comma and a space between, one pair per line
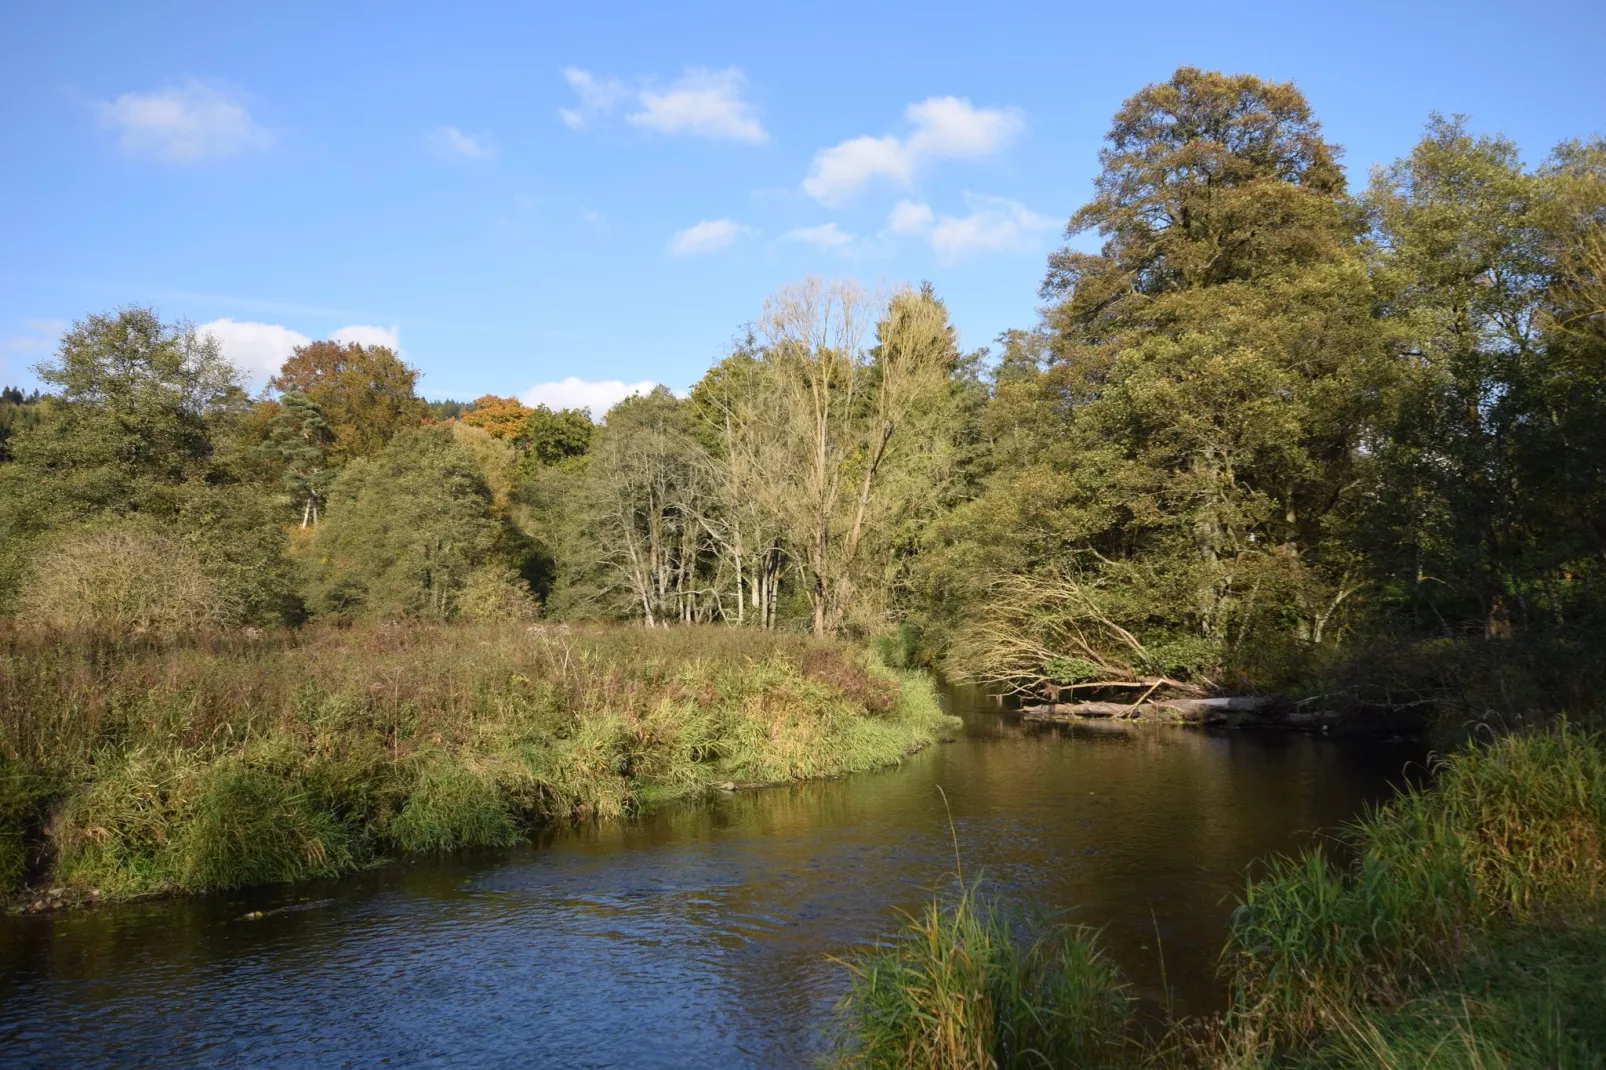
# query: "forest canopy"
1283, 430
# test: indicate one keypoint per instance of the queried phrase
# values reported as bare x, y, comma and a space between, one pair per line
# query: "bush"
122, 579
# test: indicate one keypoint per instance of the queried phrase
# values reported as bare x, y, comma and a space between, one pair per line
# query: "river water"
698, 935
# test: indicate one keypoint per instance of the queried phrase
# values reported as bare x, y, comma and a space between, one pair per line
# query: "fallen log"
1205, 710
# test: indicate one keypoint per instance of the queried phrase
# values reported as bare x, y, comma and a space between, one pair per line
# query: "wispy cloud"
826, 236
705, 103
185, 124
994, 224
910, 217
943, 128
598, 96
708, 236
450, 142
575, 393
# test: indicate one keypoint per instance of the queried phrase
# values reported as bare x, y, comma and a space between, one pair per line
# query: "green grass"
1453, 887
144, 766
967, 984
1468, 930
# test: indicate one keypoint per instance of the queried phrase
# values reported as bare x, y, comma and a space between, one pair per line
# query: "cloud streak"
189, 123
703, 103
449, 142
942, 128
708, 236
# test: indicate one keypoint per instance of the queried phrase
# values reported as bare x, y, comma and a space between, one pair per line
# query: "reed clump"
135, 765
968, 984
1453, 886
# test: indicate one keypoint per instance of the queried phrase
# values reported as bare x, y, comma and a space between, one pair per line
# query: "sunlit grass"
230, 760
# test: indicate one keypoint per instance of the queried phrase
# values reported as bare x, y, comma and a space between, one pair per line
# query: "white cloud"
573, 393
184, 124
709, 236
824, 236
953, 127
598, 96
449, 141
367, 335
995, 224
704, 102
258, 350
943, 128
842, 170
909, 217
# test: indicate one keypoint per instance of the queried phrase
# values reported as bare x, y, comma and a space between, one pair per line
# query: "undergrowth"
140, 766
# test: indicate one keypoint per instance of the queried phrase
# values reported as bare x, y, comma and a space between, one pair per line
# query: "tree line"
1275, 429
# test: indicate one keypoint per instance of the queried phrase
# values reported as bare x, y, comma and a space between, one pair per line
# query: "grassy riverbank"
1469, 931
136, 767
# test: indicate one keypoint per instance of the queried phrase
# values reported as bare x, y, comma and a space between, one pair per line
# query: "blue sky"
523, 194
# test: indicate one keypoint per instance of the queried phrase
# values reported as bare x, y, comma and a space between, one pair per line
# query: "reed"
1510, 837
217, 761
968, 984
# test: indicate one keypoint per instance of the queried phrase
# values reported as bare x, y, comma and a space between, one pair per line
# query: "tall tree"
364, 392
298, 443
1209, 376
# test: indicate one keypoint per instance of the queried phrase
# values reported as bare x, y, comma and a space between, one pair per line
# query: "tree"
835, 453
503, 418
550, 438
298, 442
1208, 380
364, 392
133, 431
644, 497
408, 531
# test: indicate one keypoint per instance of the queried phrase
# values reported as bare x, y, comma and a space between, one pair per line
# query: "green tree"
1208, 379
407, 532
298, 444
131, 432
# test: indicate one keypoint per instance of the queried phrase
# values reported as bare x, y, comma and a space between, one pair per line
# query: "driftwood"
1256, 708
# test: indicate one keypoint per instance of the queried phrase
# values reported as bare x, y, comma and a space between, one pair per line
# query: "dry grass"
227, 759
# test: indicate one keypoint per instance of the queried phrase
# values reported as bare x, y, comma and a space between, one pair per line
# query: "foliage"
503, 418
365, 393
137, 431
121, 579
406, 531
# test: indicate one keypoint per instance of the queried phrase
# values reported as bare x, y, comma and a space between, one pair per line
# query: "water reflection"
698, 935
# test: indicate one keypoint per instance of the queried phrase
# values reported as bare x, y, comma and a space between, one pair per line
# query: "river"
698, 935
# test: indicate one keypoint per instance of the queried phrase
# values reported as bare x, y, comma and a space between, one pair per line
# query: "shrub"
122, 579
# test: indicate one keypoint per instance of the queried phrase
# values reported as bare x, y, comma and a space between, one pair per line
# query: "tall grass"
1511, 837
968, 985
232, 759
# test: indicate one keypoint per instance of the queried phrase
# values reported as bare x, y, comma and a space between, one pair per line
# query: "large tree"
1207, 382
366, 393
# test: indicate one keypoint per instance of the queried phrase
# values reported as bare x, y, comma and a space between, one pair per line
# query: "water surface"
698, 935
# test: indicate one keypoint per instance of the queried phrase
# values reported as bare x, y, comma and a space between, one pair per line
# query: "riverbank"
1469, 930
138, 767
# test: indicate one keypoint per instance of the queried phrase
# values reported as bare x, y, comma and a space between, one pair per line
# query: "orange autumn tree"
503, 418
